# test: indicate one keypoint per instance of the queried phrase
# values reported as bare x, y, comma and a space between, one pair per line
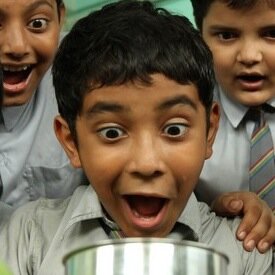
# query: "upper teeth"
15, 69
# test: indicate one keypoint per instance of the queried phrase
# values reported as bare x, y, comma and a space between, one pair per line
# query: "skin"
147, 143
29, 35
242, 43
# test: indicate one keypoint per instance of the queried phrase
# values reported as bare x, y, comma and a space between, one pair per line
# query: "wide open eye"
111, 133
226, 35
38, 24
269, 34
175, 130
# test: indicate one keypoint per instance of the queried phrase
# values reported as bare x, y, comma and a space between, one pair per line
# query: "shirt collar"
271, 102
89, 208
234, 112
12, 114
191, 216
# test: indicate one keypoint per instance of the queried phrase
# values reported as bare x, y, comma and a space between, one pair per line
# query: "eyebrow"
32, 6
36, 4
102, 107
268, 27
177, 100
222, 28
113, 107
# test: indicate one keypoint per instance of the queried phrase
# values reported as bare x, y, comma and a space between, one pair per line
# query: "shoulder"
29, 232
37, 213
220, 234
43, 208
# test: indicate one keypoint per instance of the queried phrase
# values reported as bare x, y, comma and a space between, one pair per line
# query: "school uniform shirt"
32, 162
39, 234
5, 213
228, 168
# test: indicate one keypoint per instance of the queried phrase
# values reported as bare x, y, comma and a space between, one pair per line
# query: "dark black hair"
128, 41
201, 7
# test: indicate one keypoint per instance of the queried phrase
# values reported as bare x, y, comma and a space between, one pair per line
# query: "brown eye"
38, 24
111, 133
269, 34
226, 35
175, 130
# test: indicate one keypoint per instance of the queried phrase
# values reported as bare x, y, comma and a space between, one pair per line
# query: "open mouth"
145, 207
251, 77
251, 82
13, 76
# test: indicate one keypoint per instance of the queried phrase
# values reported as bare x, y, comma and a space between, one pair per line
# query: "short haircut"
128, 41
201, 7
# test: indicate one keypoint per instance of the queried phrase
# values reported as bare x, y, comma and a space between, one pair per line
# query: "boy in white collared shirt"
241, 36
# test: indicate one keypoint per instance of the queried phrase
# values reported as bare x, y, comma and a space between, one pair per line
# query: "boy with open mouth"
134, 86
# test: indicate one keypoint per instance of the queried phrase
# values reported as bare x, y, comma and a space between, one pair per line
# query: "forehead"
162, 93
244, 4
220, 13
10, 6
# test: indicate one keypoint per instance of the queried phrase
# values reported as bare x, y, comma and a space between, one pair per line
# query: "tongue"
14, 77
146, 206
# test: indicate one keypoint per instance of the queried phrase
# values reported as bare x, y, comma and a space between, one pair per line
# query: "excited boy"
134, 87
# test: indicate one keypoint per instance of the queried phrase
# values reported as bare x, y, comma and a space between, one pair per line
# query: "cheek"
270, 61
47, 46
220, 63
102, 169
188, 160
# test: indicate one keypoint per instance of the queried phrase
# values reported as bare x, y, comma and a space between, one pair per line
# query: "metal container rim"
145, 240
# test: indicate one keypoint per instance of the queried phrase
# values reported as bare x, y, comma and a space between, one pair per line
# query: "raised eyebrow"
221, 28
178, 100
39, 3
32, 6
103, 107
267, 28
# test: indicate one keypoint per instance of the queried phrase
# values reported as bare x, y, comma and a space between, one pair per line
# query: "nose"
249, 53
146, 159
14, 42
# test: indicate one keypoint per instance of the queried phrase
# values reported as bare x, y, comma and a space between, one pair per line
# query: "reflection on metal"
146, 256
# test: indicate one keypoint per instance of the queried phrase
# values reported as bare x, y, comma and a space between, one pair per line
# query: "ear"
213, 128
62, 14
67, 141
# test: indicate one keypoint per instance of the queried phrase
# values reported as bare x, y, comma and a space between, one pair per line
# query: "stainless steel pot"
146, 256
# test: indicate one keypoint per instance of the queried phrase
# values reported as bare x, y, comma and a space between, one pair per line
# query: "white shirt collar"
234, 112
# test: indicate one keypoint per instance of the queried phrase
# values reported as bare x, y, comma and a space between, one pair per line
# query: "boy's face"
243, 43
29, 34
142, 148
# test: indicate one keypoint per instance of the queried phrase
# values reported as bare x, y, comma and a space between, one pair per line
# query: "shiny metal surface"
146, 256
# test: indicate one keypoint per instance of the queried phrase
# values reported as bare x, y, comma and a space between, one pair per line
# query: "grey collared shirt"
228, 168
41, 233
5, 213
32, 162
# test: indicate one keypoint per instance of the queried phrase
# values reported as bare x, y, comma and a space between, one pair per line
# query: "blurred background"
79, 8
